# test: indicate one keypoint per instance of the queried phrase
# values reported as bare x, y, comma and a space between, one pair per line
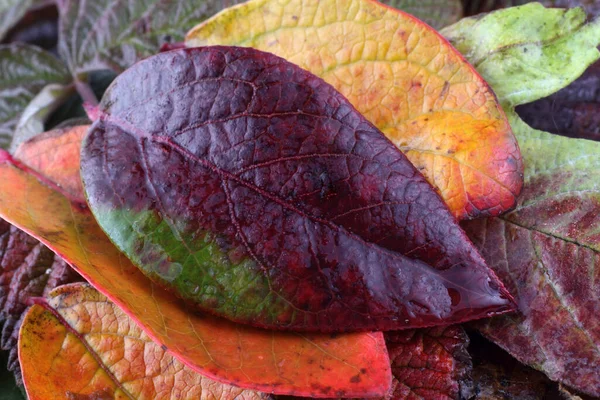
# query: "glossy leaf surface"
26, 70
547, 250
114, 34
108, 355
430, 363
257, 192
353, 365
403, 77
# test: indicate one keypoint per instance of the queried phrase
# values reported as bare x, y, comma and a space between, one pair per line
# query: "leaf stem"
86, 92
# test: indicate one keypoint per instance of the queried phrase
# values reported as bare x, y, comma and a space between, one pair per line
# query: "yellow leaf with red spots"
403, 77
78, 344
317, 365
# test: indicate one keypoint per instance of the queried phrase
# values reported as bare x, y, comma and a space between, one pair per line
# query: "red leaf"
429, 364
256, 191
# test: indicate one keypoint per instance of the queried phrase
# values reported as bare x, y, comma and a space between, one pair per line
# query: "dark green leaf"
114, 34
26, 70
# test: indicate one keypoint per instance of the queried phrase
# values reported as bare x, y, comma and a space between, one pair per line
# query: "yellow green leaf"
400, 74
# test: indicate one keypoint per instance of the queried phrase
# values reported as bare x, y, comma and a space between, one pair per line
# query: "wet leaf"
430, 363
538, 48
26, 70
108, 355
114, 34
404, 78
547, 249
436, 13
11, 12
353, 365
273, 202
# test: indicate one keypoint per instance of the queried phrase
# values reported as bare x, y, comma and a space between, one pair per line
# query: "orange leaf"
352, 365
404, 77
79, 330
56, 154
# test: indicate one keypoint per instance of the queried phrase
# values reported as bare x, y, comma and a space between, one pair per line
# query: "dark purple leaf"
255, 190
573, 111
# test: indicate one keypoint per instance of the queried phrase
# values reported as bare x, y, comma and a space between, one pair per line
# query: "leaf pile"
29, 269
254, 190
217, 348
547, 249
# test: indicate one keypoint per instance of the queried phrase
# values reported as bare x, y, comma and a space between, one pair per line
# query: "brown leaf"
430, 363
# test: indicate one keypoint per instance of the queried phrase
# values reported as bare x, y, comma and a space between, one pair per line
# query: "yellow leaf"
400, 74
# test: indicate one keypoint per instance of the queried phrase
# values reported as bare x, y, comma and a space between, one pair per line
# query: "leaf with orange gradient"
79, 330
352, 365
27, 267
55, 154
403, 77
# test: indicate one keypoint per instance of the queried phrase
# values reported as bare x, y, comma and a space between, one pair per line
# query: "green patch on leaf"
208, 274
